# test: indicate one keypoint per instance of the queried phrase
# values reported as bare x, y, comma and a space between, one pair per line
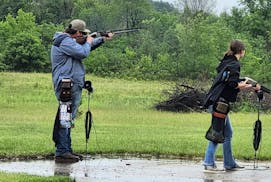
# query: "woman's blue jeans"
64, 141
229, 161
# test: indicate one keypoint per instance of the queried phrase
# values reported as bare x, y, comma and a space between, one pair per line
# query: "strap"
219, 115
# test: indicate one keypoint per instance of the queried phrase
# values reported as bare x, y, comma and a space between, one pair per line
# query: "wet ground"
130, 170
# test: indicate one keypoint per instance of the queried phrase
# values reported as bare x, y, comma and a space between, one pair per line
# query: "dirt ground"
134, 169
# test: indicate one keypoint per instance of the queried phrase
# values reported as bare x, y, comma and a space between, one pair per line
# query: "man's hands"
88, 38
109, 36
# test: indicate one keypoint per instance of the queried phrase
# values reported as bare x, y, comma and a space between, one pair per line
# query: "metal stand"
88, 124
258, 133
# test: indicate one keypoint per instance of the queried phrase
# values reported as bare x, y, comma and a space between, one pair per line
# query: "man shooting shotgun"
68, 75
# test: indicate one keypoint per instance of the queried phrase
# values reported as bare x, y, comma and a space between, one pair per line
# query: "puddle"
104, 169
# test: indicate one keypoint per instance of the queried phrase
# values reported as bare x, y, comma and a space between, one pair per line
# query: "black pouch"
65, 94
215, 132
214, 135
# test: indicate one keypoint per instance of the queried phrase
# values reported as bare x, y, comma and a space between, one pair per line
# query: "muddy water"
130, 170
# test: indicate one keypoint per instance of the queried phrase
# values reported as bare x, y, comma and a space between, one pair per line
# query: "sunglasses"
83, 33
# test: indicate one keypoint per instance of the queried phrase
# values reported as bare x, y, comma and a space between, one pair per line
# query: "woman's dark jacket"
225, 82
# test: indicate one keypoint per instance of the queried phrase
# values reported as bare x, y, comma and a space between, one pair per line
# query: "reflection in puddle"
103, 169
62, 169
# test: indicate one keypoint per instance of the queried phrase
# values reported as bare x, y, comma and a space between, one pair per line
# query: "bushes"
22, 46
189, 96
126, 64
167, 48
25, 53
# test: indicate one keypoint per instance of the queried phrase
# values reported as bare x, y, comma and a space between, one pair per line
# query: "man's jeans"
64, 140
229, 161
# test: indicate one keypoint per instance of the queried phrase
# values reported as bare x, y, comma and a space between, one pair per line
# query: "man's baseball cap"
78, 25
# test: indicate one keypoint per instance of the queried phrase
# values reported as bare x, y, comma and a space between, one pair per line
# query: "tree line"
185, 40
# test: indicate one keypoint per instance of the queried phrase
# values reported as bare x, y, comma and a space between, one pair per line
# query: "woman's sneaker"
234, 168
211, 168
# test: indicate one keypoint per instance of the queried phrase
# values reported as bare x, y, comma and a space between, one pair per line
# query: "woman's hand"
243, 85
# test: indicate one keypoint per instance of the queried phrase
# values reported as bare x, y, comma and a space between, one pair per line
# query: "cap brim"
86, 31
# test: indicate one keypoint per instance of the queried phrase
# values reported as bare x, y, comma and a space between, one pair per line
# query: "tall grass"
124, 120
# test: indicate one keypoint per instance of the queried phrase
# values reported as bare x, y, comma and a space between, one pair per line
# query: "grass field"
124, 118
8, 177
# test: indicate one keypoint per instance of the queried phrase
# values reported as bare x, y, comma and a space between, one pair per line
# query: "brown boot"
81, 157
66, 158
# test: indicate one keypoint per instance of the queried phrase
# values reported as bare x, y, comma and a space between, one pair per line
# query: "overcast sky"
225, 5
221, 5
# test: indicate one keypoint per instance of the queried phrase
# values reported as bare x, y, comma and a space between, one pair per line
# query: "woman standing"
223, 91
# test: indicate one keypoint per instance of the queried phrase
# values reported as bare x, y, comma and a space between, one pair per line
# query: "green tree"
191, 8
22, 48
46, 31
253, 19
51, 11
132, 13
12, 6
202, 43
112, 14
25, 53
163, 6
98, 15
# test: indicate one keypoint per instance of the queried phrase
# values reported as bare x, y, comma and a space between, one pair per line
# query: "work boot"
81, 157
66, 158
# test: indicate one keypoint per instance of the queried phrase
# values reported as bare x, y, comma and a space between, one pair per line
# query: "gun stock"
264, 89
